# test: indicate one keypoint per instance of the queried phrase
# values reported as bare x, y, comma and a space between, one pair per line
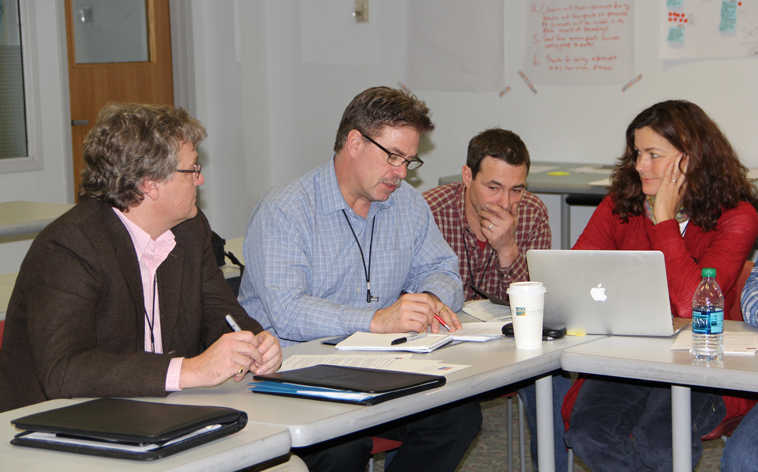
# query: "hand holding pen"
414, 312
269, 351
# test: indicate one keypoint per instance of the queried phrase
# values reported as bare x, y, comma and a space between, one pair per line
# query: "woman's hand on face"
669, 196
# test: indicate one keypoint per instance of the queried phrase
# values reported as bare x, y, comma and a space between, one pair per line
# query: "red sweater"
725, 248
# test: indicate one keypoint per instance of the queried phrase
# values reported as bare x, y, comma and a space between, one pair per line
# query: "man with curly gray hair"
121, 296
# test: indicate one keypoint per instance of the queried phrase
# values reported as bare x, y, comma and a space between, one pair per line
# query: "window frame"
29, 58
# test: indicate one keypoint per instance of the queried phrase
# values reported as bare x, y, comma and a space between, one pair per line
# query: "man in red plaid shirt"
489, 219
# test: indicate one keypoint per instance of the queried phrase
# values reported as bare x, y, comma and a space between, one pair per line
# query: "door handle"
79, 122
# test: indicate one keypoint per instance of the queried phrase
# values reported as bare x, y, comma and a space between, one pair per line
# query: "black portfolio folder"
128, 429
346, 384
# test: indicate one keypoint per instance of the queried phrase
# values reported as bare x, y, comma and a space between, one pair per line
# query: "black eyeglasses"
196, 169
396, 160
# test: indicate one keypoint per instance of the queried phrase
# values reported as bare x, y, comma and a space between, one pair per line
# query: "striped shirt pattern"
749, 298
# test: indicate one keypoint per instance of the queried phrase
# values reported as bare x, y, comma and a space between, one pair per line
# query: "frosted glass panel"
13, 142
109, 31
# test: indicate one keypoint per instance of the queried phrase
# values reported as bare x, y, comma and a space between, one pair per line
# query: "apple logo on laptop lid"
598, 293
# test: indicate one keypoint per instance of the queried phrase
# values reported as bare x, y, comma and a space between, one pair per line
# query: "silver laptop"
604, 292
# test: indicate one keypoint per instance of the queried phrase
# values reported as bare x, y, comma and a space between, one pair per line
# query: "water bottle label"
707, 322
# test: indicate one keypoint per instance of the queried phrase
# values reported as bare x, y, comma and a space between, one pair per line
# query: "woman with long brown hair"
679, 188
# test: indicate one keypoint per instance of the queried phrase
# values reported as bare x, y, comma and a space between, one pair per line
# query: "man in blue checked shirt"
740, 453
351, 247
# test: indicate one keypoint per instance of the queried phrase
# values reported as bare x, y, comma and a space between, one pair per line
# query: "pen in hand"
436, 315
441, 321
232, 324
236, 328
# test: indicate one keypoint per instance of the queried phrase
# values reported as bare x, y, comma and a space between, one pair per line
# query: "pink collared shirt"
150, 254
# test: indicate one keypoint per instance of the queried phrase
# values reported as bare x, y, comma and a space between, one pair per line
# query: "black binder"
381, 385
127, 429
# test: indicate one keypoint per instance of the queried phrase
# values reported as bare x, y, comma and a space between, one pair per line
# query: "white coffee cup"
527, 304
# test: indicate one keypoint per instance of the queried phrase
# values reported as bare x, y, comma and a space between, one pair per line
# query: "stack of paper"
485, 310
401, 362
361, 341
478, 331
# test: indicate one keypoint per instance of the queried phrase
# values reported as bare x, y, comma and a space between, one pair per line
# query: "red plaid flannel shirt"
485, 273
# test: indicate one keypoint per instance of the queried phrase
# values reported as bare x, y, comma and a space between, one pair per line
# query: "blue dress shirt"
304, 278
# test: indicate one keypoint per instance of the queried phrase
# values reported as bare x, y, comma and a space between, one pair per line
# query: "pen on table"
232, 324
404, 339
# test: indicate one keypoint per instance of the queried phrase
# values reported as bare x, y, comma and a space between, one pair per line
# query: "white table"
254, 444
493, 365
23, 218
652, 359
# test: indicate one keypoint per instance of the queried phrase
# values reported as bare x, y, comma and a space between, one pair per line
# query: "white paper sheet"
485, 310
735, 343
602, 182
401, 362
477, 331
594, 170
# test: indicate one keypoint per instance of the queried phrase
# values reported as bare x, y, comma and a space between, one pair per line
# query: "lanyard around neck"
366, 270
151, 319
472, 280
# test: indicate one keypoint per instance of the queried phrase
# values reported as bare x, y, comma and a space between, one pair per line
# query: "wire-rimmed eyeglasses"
396, 160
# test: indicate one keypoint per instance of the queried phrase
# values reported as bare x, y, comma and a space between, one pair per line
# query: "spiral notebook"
411, 342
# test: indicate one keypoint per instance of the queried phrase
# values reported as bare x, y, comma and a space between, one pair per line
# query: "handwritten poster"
700, 29
574, 42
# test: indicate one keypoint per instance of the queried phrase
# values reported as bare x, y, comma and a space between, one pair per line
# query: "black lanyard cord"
151, 320
472, 281
366, 270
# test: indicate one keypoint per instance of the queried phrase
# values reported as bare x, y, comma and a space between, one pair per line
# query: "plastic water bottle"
708, 318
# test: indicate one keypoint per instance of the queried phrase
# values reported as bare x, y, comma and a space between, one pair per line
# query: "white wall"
587, 123
272, 111
54, 182
571, 123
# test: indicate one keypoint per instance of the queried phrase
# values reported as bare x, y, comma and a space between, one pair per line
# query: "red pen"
441, 321
436, 315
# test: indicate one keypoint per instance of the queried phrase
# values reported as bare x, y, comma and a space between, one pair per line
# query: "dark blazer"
75, 321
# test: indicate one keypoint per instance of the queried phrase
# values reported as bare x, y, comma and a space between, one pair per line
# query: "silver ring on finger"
490, 226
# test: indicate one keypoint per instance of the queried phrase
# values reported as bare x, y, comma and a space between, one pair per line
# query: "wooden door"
92, 85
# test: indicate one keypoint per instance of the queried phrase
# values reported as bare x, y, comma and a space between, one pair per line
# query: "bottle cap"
708, 272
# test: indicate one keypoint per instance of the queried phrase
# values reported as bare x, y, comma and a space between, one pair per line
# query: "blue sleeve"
435, 264
749, 299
